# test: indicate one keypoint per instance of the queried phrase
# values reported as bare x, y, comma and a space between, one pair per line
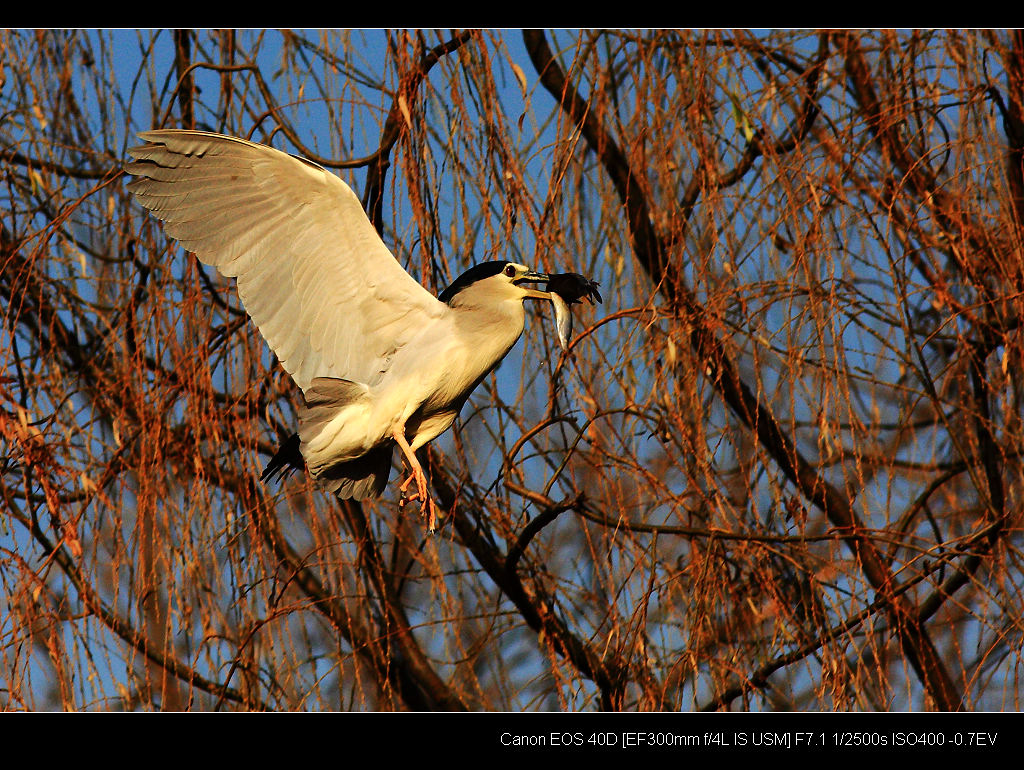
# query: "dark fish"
569, 289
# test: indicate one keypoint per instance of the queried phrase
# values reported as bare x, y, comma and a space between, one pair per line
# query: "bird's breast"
434, 374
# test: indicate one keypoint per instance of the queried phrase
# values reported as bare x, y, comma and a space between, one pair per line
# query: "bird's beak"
538, 278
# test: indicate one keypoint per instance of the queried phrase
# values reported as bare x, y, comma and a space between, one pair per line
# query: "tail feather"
357, 478
361, 478
287, 460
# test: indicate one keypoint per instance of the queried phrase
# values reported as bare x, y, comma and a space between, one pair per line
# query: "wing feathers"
325, 292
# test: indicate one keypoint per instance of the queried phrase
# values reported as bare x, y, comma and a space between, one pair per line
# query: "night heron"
380, 361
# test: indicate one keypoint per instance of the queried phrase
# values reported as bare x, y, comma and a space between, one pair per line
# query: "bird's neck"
487, 326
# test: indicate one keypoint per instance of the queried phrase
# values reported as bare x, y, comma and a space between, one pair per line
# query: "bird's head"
491, 282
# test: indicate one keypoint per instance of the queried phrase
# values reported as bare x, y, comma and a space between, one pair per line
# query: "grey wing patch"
325, 396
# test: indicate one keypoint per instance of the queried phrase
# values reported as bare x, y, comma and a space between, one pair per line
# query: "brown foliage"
779, 468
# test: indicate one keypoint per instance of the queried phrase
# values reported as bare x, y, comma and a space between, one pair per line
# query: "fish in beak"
565, 289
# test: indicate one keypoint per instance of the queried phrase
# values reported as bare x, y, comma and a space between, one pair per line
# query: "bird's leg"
422, 493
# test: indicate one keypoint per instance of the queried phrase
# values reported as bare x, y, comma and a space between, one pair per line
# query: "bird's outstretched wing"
311, 271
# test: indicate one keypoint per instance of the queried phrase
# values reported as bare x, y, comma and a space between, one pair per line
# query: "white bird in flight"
380, 361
